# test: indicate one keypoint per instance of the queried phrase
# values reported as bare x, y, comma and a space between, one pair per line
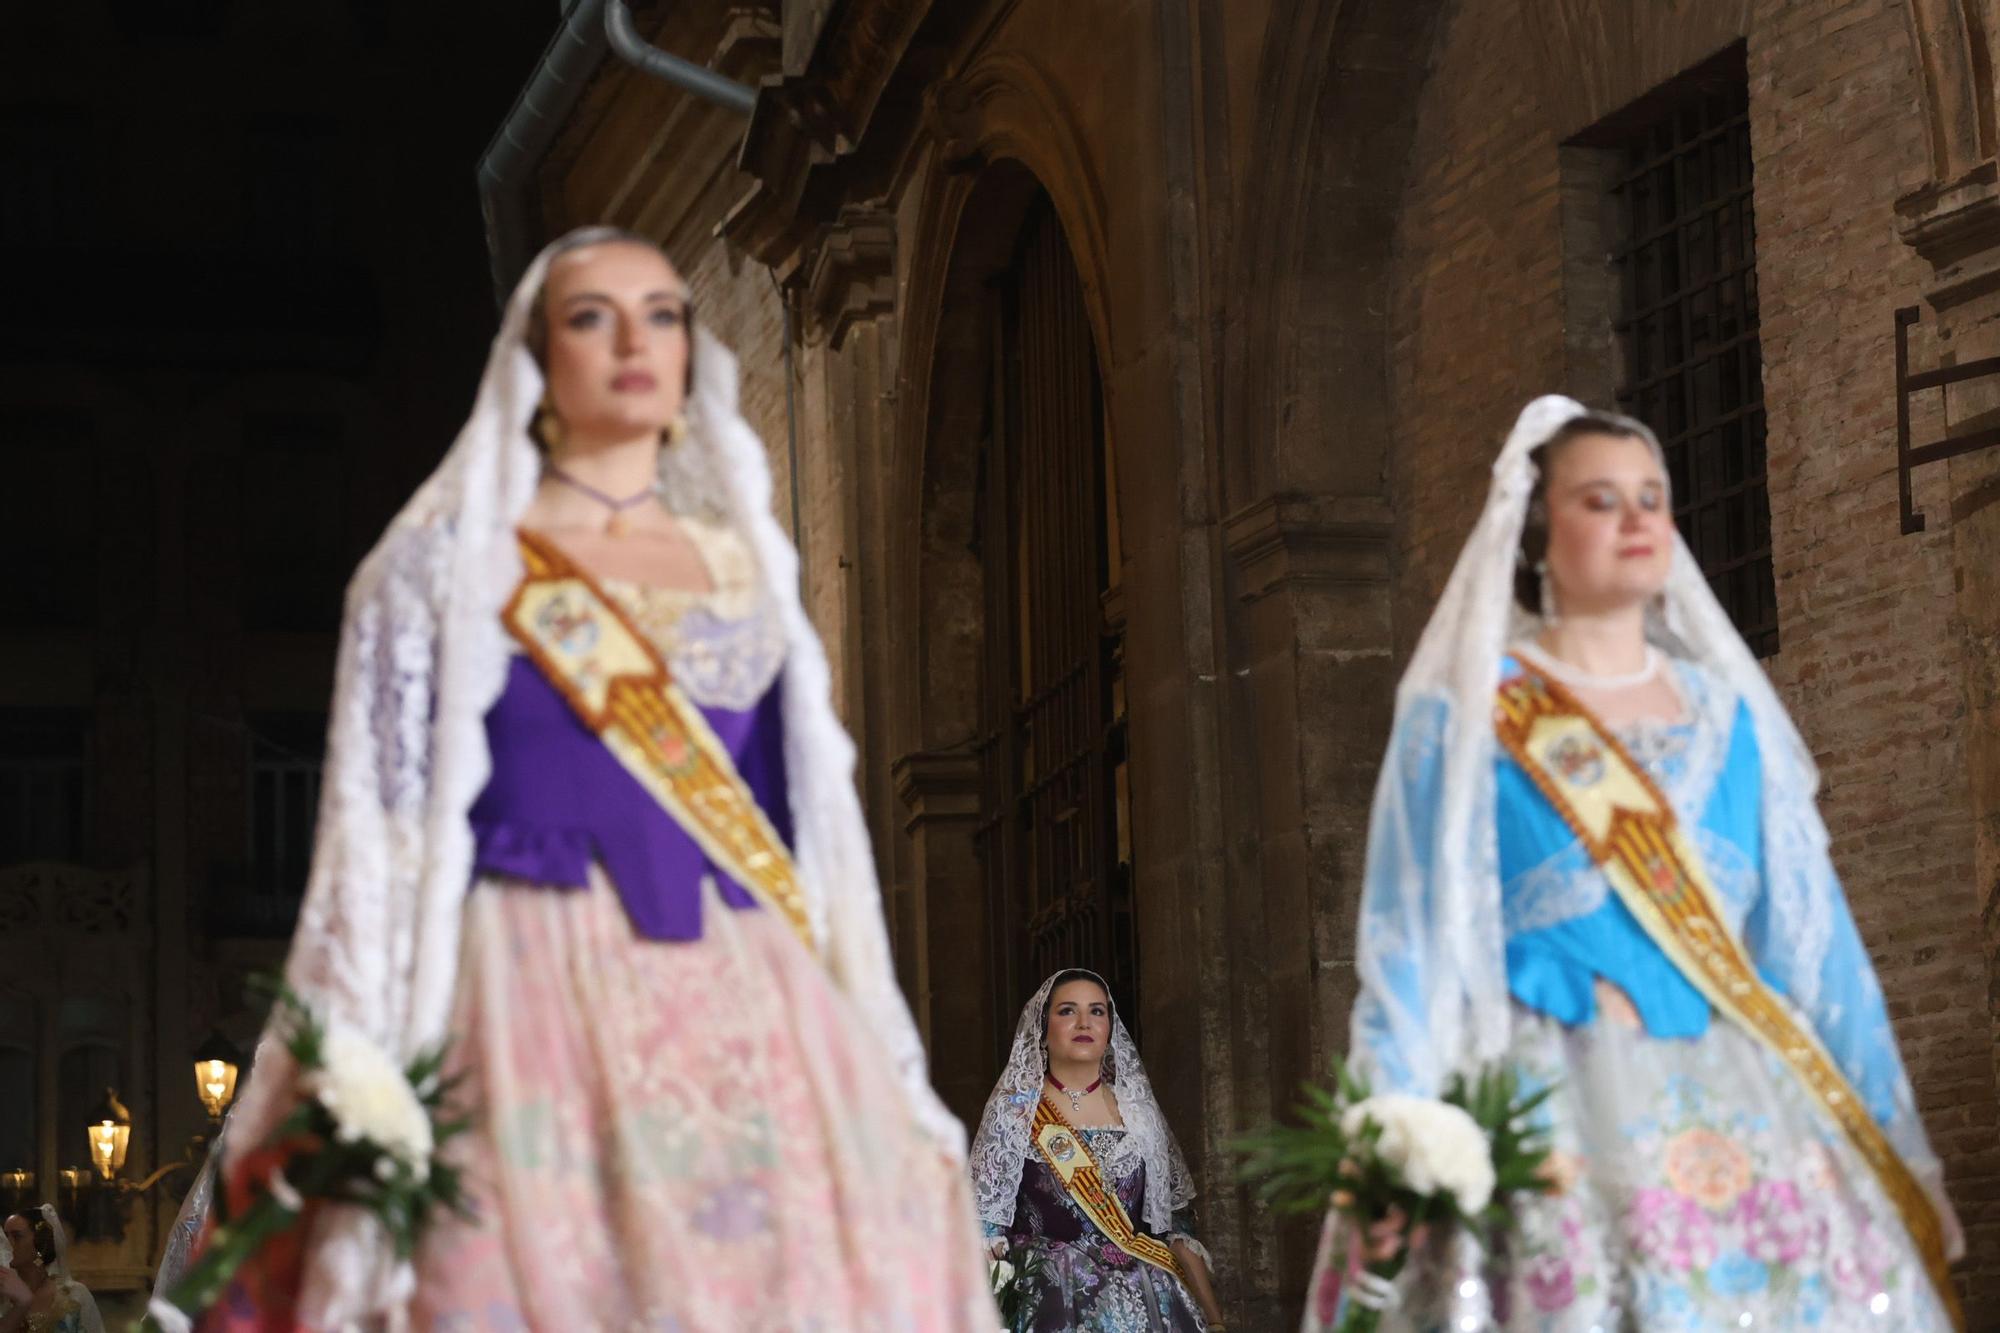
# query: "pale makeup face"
1611, 525
617, 341
22, 1240
1079, 1022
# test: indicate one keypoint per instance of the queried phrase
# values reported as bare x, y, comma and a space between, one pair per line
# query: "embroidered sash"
620, 688
1062, 1148
1629, 829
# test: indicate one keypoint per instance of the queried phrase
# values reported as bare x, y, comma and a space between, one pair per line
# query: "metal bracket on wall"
1908, 456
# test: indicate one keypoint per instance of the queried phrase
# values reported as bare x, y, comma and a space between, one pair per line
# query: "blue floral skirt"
1704, 1190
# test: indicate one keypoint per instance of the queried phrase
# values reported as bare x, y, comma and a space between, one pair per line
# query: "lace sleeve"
1803, 940
358, 949
1390, 1041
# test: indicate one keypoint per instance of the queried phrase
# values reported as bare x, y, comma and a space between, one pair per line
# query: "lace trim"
724, 646
1114, 1150
1002, 1146
1564, 887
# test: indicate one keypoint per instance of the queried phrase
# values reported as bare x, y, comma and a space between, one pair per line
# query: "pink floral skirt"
683, 1136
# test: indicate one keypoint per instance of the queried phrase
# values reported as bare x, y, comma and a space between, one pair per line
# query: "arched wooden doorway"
1054, 833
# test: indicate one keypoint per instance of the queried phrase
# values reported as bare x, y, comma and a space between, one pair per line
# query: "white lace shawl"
422, 658
1451, 925
1003, 1144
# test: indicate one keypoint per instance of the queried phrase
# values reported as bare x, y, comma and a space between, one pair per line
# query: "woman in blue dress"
1594, 856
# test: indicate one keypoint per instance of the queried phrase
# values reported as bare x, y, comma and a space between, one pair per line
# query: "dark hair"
536, 334
1534, 546
44, 1235
1074, 974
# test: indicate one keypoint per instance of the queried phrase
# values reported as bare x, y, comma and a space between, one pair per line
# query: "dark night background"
245, 308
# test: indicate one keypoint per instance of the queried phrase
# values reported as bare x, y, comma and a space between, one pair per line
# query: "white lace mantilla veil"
1003, 1145
1458, 939
423, 656
88, 1315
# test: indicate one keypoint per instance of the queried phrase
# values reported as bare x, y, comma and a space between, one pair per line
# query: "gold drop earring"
548, 426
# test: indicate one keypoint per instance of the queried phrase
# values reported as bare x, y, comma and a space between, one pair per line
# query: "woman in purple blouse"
623, 868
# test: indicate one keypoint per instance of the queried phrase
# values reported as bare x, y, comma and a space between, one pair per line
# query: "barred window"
293, 203
285, 757
49, 458
295, 557
44, 770
1688, 324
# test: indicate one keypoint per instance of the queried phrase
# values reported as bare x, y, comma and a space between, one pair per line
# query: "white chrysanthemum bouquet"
1399, 1168
364, 1132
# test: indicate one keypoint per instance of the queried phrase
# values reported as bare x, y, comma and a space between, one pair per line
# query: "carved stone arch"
1338, 91
1954, 64
1002, 141
1005, 108
1002, 134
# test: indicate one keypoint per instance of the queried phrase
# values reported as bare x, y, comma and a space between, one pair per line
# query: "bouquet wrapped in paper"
366, 1132
1013, 1276
1392, 1172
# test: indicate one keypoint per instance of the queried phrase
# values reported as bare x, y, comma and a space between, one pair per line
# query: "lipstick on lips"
633, 381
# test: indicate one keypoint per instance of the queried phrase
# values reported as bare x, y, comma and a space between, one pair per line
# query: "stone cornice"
807, 121
853, 272
1956, 227
1289, 539
937, 785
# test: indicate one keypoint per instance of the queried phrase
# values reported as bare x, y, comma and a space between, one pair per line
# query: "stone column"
943, 931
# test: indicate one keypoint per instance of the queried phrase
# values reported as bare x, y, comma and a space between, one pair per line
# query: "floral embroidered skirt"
687, 1136
1706, 1190
1085, 1288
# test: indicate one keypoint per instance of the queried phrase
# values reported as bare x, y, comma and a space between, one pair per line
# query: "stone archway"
971, 707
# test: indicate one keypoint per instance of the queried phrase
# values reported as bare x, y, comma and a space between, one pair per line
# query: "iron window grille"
44, 784
1688, 325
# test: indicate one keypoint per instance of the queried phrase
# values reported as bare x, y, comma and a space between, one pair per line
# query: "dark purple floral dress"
1087, 1284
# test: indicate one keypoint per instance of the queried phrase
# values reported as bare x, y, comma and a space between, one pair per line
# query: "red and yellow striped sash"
1062, 1148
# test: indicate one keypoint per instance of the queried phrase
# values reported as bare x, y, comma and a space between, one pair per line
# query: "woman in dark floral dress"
1072, 1111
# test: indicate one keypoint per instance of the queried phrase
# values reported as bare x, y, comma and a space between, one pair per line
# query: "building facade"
235, 335
1131, 372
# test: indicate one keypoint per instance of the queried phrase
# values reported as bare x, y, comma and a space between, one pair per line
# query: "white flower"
1000, 1273
370, 1099
1434, 1146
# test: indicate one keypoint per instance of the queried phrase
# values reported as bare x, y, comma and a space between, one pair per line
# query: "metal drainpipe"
524, 137
642, 55
701, 81
791, 429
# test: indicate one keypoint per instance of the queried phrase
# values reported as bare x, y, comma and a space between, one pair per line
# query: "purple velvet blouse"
559, 800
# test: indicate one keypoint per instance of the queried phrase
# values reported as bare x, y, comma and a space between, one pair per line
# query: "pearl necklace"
1075, 1096
1570, 675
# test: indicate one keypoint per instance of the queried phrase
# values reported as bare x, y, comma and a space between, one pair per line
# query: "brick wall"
1869, 663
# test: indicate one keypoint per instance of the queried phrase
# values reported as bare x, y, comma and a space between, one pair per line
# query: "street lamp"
216, 1064
110, 1135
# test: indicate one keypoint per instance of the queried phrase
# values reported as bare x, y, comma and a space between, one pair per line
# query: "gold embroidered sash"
620, 688
1062, 1148
1629, 828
